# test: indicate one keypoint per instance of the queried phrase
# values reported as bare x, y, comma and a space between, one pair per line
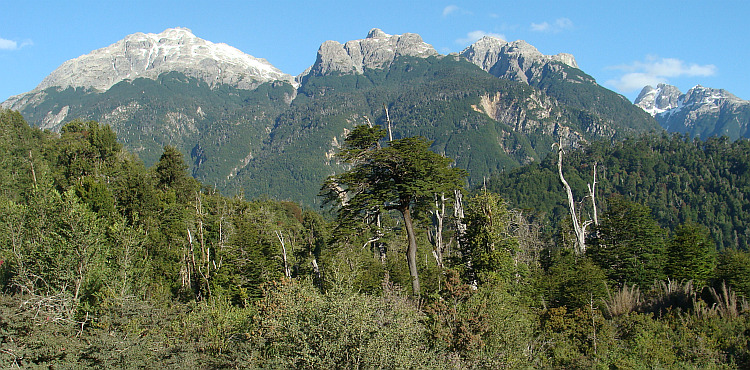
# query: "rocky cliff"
517, 60
377, 50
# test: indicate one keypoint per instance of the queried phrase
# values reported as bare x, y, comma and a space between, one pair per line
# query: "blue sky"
624, 45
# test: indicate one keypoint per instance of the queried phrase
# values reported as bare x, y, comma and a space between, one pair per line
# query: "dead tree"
579, 226
287, 270
388, 119
435, 235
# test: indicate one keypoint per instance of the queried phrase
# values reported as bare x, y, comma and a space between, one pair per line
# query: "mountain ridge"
258, 141
701, 111
149, 55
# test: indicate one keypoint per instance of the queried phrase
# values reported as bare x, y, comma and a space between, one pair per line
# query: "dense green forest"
679, 179
107, 263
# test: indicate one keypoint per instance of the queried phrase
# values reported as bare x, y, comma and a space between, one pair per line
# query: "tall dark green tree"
628, 244
691, 254
171, 174
400, 176
733, 267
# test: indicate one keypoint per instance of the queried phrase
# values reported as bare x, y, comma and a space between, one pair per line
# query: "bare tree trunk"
411, 251
458, 215
436, 235
388, 119
287, 271
578, 228
592, 194
33, 172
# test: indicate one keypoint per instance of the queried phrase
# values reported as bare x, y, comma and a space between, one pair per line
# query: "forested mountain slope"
247, 128
681, 180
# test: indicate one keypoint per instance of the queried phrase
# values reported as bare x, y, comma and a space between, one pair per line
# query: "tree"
487, 248
403, 175
171, 169
691, 254
171, 174
734, 268
628, 244
579, 226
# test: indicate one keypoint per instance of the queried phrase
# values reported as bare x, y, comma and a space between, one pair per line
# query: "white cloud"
559, 25
655, 70
473, 36
13, 45
450, 9
454, 9
8, 44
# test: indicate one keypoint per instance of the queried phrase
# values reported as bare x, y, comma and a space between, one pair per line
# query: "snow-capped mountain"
150, 55
702, 111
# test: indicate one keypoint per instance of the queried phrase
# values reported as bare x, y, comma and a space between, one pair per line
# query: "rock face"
517, 60
378, 50
658, 100
150, 55
701, 112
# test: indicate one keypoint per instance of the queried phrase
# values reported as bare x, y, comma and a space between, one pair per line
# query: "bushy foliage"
301, 328
105, 263
628, 244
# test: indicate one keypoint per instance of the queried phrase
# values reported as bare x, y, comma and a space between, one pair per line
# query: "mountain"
559, 77
245, 127
377, 51
517, 60
701, 112
149, 56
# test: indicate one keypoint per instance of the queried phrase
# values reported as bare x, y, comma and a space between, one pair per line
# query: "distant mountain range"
246, 126
701, 112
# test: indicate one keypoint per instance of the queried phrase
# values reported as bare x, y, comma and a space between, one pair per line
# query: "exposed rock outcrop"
378, 50
517, 60
149, 55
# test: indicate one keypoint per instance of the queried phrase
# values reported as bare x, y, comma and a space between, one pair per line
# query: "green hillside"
278, 142
681, 180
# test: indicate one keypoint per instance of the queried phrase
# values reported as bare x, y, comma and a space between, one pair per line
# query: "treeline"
106, 263
681, 180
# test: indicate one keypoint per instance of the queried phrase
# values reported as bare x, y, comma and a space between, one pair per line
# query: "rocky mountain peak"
511, 60
377, 50
149, 55
667, 98
707, 95
701, 112
660, 99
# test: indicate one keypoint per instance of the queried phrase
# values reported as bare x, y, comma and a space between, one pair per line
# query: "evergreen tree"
400, 176
488, 249
691, 254
628, 244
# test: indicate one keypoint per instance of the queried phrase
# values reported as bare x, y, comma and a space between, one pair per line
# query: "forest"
107, 263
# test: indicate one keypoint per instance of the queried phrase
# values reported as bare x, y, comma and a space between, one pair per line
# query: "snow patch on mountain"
149, 55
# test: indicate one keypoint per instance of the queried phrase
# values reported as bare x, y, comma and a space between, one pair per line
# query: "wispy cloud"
655, 70
473, 36
13, 45
559, 25
450, 9
454, 9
